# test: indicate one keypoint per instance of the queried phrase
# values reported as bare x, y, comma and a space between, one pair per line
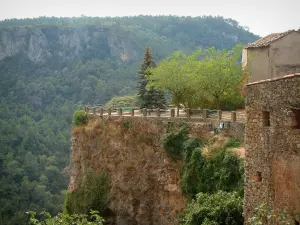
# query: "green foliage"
127, 124
215, 209
205, 78
174, 140
65, 219
122, 101
92, 193
232, 143
222, 170
149, 97
80, 118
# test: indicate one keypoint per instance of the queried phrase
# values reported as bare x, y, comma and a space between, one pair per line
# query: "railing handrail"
205, 113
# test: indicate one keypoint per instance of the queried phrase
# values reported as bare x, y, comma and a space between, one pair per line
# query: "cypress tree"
149, 97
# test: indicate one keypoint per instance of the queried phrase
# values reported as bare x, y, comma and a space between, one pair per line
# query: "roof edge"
268, 44
275, 79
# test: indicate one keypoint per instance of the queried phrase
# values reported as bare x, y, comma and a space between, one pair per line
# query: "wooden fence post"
120, 112
233, 116
172, 112
101, 111
132, 112
188, 113
220, 114
144, 112
158, 112
205, 113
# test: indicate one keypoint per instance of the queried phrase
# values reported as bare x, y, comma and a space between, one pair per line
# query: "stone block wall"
272, 161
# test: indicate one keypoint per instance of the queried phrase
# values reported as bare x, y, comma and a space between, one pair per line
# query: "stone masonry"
272, 161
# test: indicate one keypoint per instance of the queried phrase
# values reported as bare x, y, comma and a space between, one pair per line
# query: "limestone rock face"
41, 44
37, 49
145, 183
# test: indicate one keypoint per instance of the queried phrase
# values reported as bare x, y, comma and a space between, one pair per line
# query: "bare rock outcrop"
145, 183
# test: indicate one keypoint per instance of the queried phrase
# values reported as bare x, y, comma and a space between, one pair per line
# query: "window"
296, 118
266, 118
257, 177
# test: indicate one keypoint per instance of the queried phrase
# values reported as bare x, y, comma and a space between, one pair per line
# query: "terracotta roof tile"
265, 41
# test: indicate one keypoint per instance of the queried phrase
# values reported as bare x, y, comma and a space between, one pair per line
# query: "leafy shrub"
221, 208
222, 170
122, 101
189, 145
127, 124
92, 193
80, 117
233, 143
65, 219
174, 140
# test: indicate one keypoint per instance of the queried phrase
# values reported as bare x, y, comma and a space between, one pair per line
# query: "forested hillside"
51, 66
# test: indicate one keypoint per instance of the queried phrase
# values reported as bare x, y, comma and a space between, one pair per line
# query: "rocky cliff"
42, 44
145, 181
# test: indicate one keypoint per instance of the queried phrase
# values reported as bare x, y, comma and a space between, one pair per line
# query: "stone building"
273, 56
272, 161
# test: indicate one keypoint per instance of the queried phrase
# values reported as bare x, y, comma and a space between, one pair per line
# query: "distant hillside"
50, 66
125, 38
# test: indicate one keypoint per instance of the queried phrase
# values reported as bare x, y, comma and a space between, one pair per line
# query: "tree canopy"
204, 78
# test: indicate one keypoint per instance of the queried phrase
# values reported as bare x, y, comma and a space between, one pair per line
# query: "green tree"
205, 78
175, 74
149, 97
220, 74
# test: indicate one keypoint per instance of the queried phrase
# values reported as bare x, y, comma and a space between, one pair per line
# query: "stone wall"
272, 161
234, 129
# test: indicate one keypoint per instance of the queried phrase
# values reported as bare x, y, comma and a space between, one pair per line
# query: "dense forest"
51, 66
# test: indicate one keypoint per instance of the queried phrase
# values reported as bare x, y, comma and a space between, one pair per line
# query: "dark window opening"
258, 177
266, 118
296, 118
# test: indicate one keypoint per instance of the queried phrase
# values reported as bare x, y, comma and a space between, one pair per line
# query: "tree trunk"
178, 111
218, 102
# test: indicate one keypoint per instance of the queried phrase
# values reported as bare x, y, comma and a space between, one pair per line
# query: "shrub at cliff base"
92, 193
65, 219
80, 117
221, 208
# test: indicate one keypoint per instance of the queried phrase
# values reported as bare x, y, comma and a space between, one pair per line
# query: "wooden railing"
169, 113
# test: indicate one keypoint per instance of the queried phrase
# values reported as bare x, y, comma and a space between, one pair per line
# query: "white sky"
261, 16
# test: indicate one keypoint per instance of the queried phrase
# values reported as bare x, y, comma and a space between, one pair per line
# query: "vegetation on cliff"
52, 66
215, 209
91, 193
80, 118
65, 219
212, 181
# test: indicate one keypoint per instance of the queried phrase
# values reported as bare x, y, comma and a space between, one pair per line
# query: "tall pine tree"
149, 97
